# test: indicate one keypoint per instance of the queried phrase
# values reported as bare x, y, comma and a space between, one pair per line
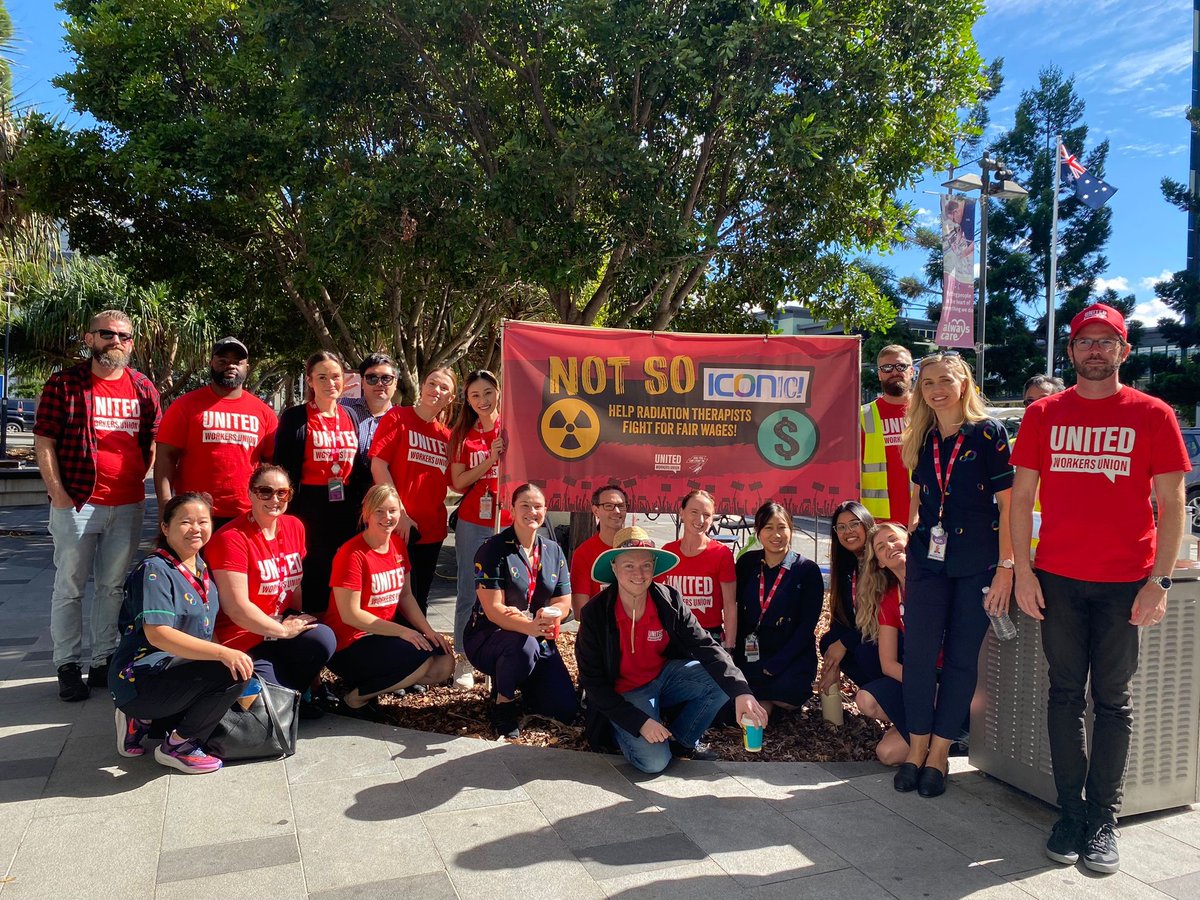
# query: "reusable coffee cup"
831, 704
250, 694
752, 736
555, 615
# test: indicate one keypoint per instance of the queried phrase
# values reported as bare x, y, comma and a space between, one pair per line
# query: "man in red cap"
1096, 449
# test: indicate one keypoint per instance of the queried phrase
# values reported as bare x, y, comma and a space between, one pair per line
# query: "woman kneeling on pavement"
257, 562
167, 664
779, 598
371, 581
519, 577
640, 651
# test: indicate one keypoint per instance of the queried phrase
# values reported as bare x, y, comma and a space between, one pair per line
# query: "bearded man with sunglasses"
1096, 450
886, 488
212, 438
94, 443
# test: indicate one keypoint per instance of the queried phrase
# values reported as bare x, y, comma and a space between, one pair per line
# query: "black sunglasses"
124, 336
385, 380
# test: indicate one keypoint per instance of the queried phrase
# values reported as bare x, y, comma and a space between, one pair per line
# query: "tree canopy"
398, 172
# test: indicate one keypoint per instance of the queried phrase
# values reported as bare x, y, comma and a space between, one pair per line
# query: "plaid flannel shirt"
65, 416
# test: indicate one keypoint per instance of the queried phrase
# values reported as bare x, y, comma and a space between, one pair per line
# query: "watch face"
1163, 582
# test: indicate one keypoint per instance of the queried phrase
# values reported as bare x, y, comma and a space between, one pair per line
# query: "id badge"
752, 654
337, 490
937, 543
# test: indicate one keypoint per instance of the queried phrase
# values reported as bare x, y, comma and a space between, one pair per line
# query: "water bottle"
1002, 625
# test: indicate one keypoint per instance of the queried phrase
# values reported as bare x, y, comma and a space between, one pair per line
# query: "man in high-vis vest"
885, 480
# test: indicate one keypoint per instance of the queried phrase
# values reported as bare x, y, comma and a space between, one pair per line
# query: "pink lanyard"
280, 559
937, 467
533, 566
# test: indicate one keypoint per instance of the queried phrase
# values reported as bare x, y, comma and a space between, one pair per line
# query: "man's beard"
230, 378
1105, 371
113, 359
895, 388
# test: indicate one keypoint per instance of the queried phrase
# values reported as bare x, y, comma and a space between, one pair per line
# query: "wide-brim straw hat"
631, 538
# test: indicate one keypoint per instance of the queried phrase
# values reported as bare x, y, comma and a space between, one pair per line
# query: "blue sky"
1131, 60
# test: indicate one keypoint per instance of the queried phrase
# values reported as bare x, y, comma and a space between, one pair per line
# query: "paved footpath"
369, 811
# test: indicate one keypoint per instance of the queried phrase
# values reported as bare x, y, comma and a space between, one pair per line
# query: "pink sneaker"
130, 734
186, 756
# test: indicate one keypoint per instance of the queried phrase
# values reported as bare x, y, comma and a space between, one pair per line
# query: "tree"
397, 172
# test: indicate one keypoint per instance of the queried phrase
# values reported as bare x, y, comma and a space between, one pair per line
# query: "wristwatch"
1006, 564
1162, 581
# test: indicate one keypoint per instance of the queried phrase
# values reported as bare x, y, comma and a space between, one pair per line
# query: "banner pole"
1052, 283
503, 419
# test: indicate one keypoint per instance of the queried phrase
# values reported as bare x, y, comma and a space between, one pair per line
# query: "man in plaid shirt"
94, 442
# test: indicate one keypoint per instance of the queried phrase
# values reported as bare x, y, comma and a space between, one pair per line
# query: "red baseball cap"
1102, 313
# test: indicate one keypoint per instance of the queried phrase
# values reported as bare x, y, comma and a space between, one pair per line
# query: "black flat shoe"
931, 783
907, 777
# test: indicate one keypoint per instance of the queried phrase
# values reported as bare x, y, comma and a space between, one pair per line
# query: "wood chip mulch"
799, 736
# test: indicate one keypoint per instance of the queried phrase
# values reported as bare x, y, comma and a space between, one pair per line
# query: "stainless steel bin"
1008, 716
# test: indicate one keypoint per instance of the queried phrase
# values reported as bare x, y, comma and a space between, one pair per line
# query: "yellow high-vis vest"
874, 464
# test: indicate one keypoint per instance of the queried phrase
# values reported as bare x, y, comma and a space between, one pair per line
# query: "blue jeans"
468, 538
100, 541
680, 682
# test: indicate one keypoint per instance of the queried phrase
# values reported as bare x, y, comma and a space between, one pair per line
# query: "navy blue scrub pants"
516, 660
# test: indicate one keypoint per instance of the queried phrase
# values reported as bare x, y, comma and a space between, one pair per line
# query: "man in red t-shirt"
94, 443
212, 438
610, 503
886, 488
1096, 449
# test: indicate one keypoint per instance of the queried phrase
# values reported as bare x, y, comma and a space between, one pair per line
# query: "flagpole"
1052, 284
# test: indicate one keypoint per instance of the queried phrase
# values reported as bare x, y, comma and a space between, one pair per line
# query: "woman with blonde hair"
378, 651
959, 554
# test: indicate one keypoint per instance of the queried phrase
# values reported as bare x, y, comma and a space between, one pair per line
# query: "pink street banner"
745, 418
956, 327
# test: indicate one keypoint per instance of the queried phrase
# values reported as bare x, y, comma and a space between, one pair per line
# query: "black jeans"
424, 559
1087, 632
201, 690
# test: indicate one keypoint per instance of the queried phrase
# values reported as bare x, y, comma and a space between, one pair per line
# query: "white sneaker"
464, 674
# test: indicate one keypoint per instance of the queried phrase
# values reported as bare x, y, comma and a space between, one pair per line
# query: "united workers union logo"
569, 428
787, 439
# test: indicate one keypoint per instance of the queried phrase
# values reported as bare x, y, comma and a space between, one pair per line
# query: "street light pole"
8, 295
981, 313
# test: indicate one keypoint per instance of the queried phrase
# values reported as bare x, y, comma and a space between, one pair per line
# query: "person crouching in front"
640, 651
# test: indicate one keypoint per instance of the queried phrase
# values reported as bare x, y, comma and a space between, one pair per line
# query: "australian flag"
1089, 190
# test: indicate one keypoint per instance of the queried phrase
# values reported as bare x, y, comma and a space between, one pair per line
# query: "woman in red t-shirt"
476, 446
317, 444
409, 452
880, 618
371, 581
257, 562
705, 575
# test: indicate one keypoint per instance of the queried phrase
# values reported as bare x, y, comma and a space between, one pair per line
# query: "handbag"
267, 730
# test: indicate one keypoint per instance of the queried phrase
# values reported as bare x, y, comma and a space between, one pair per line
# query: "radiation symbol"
570, 429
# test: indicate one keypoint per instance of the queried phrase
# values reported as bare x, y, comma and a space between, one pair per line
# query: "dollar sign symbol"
784, 429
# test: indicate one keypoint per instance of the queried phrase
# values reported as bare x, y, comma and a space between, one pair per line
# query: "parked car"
1191, 440
20, 415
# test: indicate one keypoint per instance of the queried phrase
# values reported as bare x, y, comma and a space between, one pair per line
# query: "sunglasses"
262, 492
123, 336
385, 380
889, 368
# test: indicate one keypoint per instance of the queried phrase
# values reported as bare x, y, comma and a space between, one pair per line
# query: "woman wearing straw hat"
640, 650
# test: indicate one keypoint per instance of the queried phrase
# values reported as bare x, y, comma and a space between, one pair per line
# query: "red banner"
747, 419
956, 325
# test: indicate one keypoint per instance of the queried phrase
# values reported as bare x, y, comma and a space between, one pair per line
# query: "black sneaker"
1100, 850
70, 683
1066, 837
506, 720
98, 676
701, 752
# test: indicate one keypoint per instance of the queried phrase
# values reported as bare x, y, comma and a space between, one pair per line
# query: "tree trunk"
583, 526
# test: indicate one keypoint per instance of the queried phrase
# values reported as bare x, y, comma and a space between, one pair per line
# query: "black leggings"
295, 662
327, 526
201, 690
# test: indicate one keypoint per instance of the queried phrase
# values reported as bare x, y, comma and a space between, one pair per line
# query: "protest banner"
956, 325
745, 418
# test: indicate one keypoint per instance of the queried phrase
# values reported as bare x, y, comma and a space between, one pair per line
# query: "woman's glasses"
262, 492
848, 526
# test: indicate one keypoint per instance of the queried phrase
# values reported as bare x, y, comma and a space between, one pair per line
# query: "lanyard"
937, 467
341, 423
200, 584
762, 576
268, 551
533, 565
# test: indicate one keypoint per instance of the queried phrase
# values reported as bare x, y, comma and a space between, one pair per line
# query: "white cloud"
1154, 150
1150, 281
1174, 111
1118, 284
1148, 312
1137, 69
